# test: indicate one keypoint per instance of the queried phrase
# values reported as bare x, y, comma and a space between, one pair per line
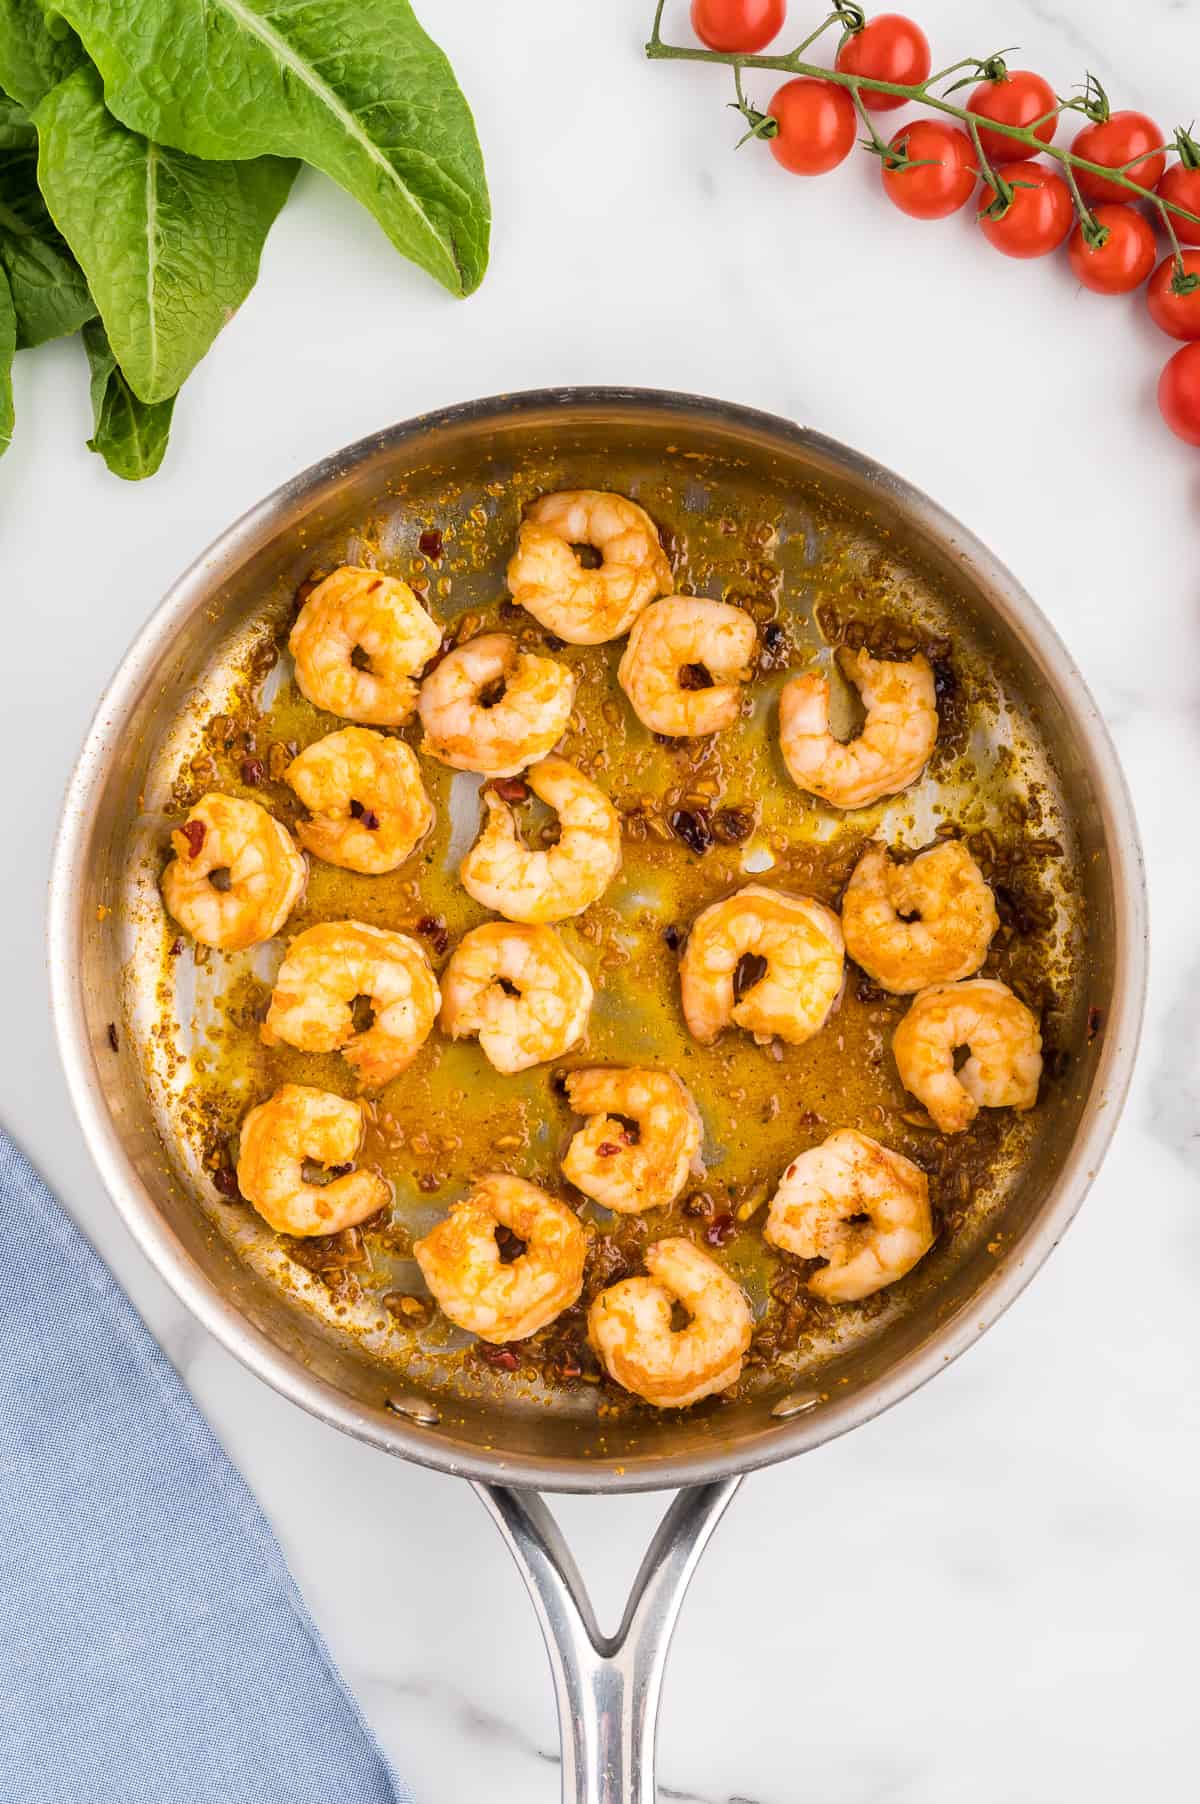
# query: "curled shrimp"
586, 607
929, 921
368, 805
236, 874
629, 1325
645, 1169
503, 874
491, 707
327, 968
519, 990
358, 642
1001, 1035
685, 663
295, 1126
797, 940
857, 1205
461, 1263
889, 753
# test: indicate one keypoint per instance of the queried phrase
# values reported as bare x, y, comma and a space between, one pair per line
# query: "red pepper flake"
720, 1231
111, 1036
732, 825
430, 544
194, 832
176, 947
774, 652
1095, 1022
607, 1148
253, 772
691, 825
511, 789
367, 816
225, 1179
434, 929
501, 1359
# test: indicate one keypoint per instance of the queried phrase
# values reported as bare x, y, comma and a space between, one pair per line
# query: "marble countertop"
989, 1592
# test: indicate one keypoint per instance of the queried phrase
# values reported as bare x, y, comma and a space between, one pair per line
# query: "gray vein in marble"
1067, 29
485, 1725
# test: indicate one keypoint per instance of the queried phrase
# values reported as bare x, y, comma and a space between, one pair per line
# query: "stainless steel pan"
607, 1687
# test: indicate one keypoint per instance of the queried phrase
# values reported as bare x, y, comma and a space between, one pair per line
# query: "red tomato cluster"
930, 168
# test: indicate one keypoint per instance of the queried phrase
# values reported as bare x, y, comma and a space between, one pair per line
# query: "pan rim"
203, 1298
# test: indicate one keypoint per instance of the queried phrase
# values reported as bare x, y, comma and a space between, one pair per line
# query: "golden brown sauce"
451, 1117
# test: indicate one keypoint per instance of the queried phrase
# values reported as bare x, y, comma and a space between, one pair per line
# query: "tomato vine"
1170, 189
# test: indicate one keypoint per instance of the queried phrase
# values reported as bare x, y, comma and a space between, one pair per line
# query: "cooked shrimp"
491, 707
910, 925
629, 1325
889, 753
857, 1205
1001, 1034
501, 872
461, 1262
295, 1126
235, 876
326, 969
643, 1170
520, 990
683, 665
367, 801
800, 942
376, 617
586, 607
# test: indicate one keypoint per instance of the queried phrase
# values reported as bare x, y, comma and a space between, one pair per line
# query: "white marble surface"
991, 1592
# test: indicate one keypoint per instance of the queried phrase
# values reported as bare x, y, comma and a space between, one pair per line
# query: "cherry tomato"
1126, 257
1179, 394
737, 25
1181, 186
1039, 216
1177, 314
817, 125
1115, 141
1018, 98
891, 48
944, 176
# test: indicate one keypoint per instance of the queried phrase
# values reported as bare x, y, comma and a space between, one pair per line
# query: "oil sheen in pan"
811, 574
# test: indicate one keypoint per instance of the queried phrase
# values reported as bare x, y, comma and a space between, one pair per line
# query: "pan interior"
816, 550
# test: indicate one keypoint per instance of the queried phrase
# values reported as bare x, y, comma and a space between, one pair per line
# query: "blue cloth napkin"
153, 1647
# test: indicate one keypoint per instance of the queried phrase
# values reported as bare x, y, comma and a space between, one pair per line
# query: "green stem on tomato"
1181, 281
1095, 234
1002, 194
822, 28
793, 63
878, 144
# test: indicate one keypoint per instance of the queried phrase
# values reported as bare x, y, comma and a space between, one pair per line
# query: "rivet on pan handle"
607, 1686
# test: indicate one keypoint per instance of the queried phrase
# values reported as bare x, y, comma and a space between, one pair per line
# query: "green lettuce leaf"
34, 57
130, 436
47, 287
8, 344
169, 244
17, 130
354, 87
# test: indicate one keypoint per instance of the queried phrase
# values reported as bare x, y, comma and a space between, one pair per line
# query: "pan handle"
607, 1686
